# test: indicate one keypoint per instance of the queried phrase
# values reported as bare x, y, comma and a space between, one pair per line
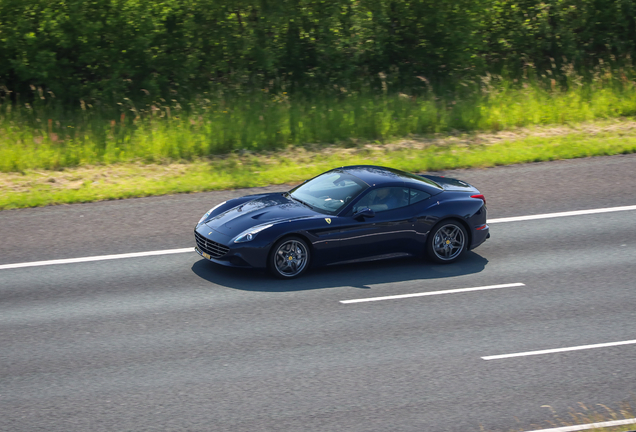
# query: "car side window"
383, 199
416, 195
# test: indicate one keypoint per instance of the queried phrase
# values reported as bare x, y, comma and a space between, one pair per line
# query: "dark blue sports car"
348, 214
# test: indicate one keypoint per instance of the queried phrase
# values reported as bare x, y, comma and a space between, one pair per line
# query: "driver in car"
385, 199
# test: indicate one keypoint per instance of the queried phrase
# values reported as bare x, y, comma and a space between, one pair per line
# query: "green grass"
47, 136
124, 180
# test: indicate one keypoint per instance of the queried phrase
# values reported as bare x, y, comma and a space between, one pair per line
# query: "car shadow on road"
359, 275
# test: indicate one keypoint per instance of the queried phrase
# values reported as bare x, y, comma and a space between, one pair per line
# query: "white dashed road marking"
96, 258
433, 293
559, 350
561, 214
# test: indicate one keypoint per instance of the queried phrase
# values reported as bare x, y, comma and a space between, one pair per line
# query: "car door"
391, 231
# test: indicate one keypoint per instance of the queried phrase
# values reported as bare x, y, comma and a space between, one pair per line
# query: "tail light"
480, 196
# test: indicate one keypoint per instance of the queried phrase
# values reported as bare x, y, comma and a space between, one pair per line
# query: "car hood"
274, 207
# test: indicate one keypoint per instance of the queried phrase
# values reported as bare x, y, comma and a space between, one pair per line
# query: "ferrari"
349, 214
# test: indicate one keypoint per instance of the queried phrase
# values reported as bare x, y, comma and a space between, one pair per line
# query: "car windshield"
329, 192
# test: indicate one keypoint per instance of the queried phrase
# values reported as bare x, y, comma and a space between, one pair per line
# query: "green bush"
105, 50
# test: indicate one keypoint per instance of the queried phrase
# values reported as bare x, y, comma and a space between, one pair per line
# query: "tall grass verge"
45, 135
33, 188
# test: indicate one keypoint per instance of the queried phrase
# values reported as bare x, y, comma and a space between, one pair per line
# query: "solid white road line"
96, 258
561, 214
432, 293
576, 428
559, 350
173, 251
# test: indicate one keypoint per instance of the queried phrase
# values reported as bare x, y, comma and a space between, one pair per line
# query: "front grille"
212, 248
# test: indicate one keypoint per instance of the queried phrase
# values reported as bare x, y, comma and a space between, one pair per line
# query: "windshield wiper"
300, 201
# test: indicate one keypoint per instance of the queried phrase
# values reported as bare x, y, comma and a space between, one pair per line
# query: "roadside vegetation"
44, 135
116, 98
433, 152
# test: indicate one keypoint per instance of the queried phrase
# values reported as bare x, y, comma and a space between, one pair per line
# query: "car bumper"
480, 234
219, 248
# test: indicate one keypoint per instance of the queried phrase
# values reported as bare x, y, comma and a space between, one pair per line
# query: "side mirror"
364, 213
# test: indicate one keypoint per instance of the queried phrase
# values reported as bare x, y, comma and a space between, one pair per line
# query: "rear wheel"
289, 258
446, 242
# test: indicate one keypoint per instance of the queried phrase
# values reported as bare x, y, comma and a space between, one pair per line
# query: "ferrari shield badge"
328, 220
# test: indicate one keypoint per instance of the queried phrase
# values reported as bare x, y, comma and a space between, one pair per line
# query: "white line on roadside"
561, 214
588, 426
432, 293
96, 258
174, 251
559, 350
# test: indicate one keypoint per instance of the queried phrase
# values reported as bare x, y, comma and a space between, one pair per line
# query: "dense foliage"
111, 49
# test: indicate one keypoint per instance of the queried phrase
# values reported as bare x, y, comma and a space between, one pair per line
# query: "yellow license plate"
206, 256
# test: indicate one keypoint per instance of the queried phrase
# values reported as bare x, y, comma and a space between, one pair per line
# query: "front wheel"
289, 258
446, 242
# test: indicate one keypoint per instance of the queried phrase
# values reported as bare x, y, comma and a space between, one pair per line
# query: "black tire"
289, 258
446, 242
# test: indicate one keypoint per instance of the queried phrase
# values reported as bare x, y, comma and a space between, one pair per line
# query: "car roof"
378, 175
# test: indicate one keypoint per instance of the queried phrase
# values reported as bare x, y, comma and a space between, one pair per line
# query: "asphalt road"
172, 343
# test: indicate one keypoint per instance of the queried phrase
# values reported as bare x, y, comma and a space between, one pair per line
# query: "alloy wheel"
448, 242
290, 258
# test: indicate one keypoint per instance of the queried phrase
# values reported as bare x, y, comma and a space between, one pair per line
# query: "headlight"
205, 216
249, 234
